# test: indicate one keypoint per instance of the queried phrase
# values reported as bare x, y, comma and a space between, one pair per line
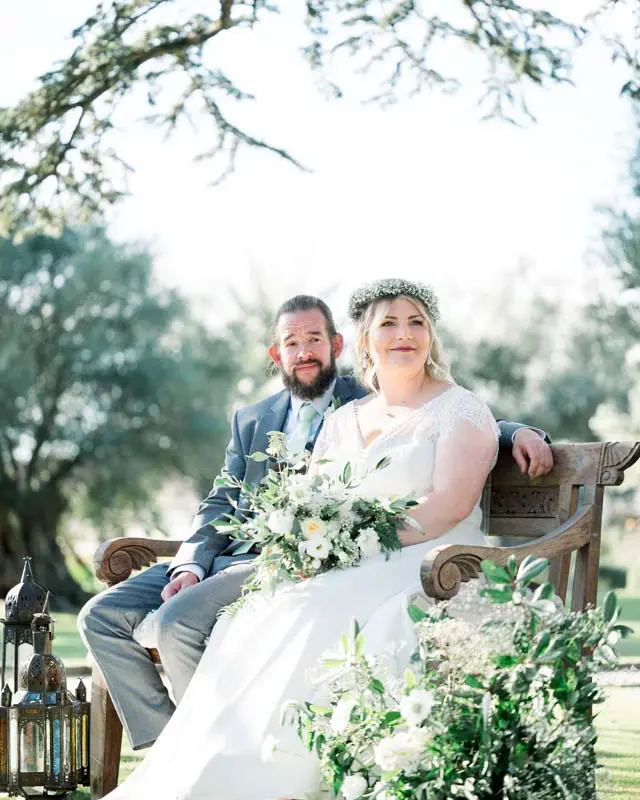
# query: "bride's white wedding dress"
218, 744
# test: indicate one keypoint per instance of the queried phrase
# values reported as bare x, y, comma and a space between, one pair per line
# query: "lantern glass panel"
78, 746
66, 727
55, 752
13, 745
85, 741
47, 745
3, 745
32, 746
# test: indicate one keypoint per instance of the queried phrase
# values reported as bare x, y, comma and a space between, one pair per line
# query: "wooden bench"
558, 516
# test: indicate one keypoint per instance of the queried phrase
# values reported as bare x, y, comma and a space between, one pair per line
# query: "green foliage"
56, 144
109, 386
499, 704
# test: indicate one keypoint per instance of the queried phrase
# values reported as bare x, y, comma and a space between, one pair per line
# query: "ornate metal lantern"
44, 729
22, 602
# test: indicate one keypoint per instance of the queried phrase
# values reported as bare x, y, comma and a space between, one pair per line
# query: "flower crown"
388, 288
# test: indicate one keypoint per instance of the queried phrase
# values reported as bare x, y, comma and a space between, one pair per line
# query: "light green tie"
302, 432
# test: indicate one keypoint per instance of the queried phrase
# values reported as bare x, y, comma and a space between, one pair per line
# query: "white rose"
299, 489
416, 707
281, 522
378, 791
312, 526
342, 714
317, 547
368, 543
397, 752
354, 786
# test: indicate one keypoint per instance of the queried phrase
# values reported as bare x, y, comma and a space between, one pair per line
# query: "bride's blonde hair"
436, 365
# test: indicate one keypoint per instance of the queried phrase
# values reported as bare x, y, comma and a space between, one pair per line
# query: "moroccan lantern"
44, 728
21, 603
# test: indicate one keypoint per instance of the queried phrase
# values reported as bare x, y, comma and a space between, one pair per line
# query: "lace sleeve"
467, 410
467, 434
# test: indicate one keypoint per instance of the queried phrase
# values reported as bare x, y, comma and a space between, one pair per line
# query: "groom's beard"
309, 391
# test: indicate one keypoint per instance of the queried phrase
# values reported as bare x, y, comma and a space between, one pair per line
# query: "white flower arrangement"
497, 710
308, 524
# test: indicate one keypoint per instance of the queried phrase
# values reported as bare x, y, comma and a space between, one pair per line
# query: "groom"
208, 572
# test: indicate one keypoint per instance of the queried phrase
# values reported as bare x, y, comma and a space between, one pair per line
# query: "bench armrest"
445, 568
116, 559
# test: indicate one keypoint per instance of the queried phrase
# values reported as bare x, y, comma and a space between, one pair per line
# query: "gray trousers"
107, 622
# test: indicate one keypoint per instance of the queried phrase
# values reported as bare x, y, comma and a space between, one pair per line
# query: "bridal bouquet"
500, 709
307, 524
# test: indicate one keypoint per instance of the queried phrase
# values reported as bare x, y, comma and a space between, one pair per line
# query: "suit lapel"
343, 391
272, 420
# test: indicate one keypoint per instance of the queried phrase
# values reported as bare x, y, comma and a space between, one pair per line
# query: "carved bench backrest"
518, 510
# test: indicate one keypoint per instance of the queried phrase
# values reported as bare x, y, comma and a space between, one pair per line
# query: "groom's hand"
532, 454
177, 584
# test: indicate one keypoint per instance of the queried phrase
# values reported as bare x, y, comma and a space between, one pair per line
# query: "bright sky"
422, 190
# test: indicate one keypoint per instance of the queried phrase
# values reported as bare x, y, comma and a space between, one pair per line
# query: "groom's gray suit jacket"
249, 434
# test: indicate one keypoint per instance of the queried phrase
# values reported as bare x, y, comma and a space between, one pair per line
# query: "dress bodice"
411, 446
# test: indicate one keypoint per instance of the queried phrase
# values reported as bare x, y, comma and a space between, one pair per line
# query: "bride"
225, 740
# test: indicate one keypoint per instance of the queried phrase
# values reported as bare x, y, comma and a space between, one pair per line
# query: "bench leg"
105, 739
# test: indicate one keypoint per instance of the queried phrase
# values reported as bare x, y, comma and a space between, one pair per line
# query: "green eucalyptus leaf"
610, 608
409, 680
530, 568
383, 463
346, 473
376, 686
542, 644
333, 663
413, 523
544, 592
623, 630
573, 651
472, 681
323, 711
498, 595
259, 457
495, 573
506, 661
544, 608
416, 614
608, 653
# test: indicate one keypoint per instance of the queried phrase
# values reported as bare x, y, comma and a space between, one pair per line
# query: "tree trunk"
26, 535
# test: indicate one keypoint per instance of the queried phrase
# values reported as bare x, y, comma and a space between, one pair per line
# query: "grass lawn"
618, 726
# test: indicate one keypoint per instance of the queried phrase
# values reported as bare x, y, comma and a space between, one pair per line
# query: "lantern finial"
27, 574
5, 698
